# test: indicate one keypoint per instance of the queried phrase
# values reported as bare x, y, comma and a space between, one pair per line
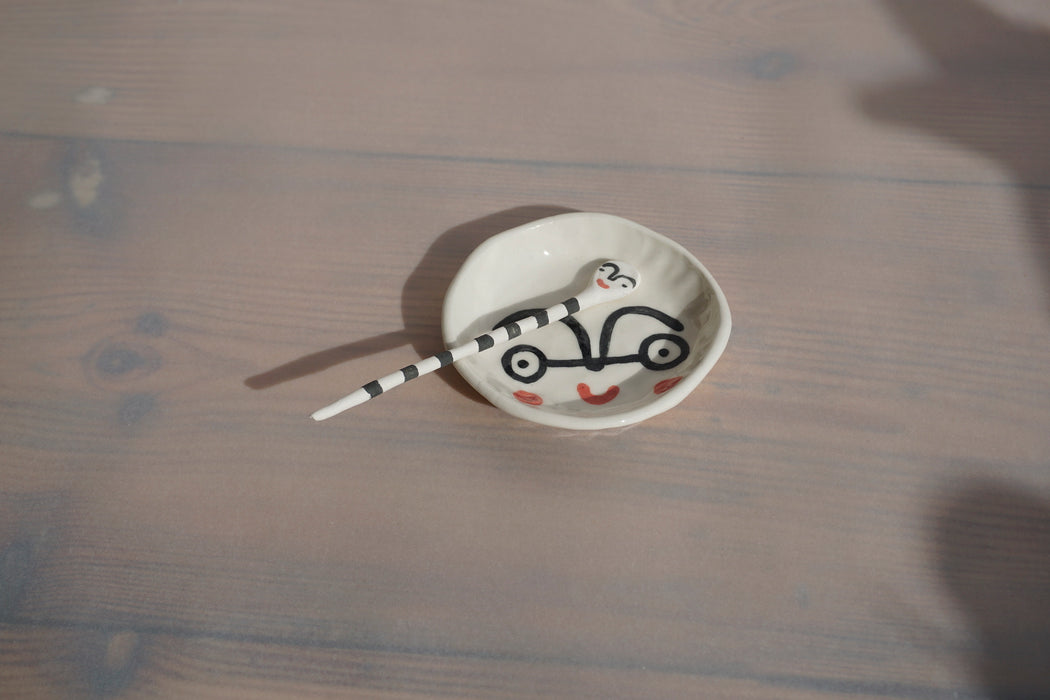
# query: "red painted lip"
597, 399
528, 397
602, 284
666, 384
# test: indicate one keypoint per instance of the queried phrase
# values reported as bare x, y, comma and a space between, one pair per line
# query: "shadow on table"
421, 300
989, 92
992, 548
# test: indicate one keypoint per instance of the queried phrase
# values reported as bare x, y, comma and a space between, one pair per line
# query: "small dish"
608, 366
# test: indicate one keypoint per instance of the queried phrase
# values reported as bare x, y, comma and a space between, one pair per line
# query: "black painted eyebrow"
616, 273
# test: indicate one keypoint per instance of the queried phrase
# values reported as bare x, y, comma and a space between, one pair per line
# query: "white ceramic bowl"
614, 364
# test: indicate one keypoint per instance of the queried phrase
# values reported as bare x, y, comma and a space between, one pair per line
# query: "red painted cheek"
602, 284
528, 397
665, 385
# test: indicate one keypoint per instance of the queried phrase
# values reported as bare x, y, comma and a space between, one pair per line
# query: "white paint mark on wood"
45, 200
85, 181
96, 95
120, 651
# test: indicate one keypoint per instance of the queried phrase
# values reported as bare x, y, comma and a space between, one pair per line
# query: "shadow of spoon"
421, 300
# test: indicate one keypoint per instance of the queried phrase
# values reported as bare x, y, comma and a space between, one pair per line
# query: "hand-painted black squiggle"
615, 274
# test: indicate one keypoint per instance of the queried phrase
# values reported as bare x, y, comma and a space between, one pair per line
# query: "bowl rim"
666, 401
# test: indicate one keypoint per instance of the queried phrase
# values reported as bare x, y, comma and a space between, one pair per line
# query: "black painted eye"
663, 351
524, 363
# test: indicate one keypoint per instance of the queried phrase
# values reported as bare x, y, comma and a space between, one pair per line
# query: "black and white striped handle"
443, 359
612, 280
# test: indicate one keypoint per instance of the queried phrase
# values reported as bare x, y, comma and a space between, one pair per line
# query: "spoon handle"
498, 336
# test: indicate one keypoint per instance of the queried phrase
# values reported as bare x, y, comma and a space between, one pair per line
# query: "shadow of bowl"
424, 291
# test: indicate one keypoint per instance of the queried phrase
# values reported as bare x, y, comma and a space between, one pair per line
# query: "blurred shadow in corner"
992, 548
989, 92
421, 299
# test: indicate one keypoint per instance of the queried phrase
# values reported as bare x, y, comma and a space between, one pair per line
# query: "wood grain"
217, 217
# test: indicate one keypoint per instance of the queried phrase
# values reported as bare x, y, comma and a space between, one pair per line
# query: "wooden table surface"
218, 216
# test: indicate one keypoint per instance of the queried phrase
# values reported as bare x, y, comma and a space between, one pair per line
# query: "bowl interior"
610, 365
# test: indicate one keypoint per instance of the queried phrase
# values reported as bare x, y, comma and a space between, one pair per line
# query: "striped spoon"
613, 279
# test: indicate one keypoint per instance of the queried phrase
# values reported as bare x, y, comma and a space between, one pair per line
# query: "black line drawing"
527, 363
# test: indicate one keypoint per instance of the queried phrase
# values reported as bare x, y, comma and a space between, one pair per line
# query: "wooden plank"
54, 663
784, 87
216, 217
775, 526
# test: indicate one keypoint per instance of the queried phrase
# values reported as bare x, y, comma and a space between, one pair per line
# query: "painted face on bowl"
609, 365
640, 342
